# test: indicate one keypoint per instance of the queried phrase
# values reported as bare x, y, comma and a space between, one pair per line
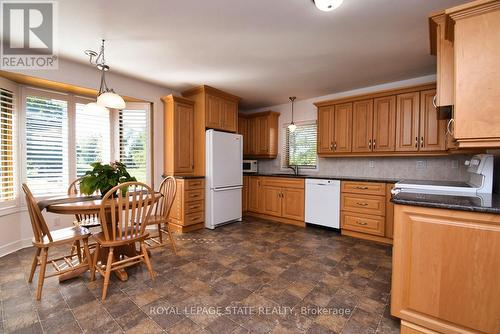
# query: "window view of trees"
300, 146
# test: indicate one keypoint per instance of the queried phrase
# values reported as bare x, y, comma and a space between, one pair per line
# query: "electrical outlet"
421, 164
371, 164
454, 163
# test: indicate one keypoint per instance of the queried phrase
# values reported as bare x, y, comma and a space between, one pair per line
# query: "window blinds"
299, 147
133, 142
46, 145
92, 138
7, 99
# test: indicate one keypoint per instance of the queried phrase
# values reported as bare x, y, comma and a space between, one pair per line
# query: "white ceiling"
261, 50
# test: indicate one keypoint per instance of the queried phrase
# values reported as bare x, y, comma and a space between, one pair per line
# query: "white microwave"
250, 166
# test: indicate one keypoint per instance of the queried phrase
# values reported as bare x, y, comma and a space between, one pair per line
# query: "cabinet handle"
361, 187
374, 143
331, 146
416, 142
335, 146
434, 101
362, 204
360, 223
421, 141
370, 144
448, 126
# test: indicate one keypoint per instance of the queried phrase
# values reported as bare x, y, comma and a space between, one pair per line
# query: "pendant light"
327, 5
106, 97
292, 127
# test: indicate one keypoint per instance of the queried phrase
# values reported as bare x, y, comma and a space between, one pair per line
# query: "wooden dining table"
71, 205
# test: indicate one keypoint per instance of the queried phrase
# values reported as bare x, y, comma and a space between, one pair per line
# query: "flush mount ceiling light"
292, 127
106, 96
327, 5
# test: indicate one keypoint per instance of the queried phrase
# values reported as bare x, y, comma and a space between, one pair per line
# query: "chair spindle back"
74, 189
38, 224
168, 189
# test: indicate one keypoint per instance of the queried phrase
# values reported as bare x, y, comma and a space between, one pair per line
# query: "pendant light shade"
292, 127
93, 107
111, 100
327, 5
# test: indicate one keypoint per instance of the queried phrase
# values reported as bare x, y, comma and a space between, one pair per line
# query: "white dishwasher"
323, 202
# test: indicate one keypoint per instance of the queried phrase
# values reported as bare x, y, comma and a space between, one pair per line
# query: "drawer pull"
362, 204
362, 187
361, 223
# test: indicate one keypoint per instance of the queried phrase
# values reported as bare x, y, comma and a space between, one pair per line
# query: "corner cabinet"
260, 134
178, 135
446, 270
465, 40
399, 122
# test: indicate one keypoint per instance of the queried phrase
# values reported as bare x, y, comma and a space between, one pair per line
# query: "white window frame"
284, 166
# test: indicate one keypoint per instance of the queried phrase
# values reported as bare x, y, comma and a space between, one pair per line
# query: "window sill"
10, 210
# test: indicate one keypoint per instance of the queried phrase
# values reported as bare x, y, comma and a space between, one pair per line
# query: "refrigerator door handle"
227, 188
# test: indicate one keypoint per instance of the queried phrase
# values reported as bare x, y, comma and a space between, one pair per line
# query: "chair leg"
160, 234
78, 250
41, 276
172, 240
34, 264
146, 260
94, 262
107, 274
89, 259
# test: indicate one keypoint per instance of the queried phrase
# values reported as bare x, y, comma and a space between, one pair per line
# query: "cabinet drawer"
284, 182
373, 205
363, 223
365, 188
193, 218
194, 184
194, 195
195, 206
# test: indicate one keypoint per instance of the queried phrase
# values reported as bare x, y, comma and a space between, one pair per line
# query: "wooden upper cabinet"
243, 130
261, 134
407, 122
384, 124
325, 129
432, 130
343, 128
219, 109
178, 135
362, 126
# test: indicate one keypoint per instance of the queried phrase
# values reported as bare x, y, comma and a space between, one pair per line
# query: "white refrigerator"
223, 178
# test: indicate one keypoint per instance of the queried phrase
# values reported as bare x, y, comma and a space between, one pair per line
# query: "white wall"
436, 168
16, 228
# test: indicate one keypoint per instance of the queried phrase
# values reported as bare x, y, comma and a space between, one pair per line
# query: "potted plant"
104, 177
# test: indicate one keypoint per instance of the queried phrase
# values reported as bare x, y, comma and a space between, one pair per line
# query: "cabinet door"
432, 130
362, 126
213, 114
407, 118
343, 128
293, 203
183, 138
254, 134
445, 64
272, 200
254, 194
325, 129
263, 127
384, 124
229, 115
243, 130
244, 197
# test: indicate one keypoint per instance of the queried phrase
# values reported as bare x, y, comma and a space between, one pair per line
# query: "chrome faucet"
295, 169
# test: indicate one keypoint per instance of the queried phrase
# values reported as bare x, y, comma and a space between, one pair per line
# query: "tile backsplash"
450, 168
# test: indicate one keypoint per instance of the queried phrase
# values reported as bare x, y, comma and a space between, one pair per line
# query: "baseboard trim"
14, 246
364, 236
276, 219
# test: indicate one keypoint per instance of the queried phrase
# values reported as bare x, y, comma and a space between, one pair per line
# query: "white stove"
480, 169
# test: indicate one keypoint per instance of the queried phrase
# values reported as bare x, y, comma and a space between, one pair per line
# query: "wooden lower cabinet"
244, 194
281, 199
188, 209
446, 270
365, 210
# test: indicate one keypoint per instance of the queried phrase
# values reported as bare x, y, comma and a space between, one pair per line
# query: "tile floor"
250, 277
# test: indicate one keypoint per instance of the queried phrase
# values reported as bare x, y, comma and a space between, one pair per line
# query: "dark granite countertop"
328, 177
485, 203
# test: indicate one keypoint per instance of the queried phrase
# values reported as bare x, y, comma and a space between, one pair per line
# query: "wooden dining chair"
124, 214
159, 217
43, 240
85, 220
